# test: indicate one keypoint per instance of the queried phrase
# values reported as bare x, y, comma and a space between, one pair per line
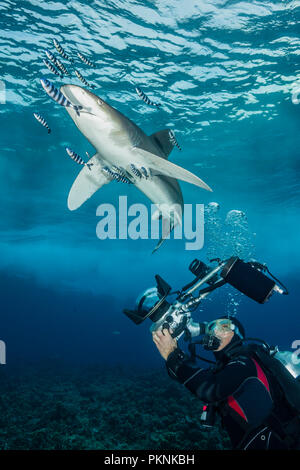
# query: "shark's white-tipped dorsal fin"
87, 183
162, 140
160, 166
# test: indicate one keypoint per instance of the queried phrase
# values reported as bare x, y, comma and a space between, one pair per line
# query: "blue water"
227, 75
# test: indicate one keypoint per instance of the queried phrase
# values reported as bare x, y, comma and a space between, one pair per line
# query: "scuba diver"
254, 388
249, 399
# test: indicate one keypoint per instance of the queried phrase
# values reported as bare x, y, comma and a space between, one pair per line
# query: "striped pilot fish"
85, 60
116, 175
173, 139
42, 121
83, 80
121, 178
52, 68
77, 158
145, 98
56, 62
57, 95
61, 51
135, 171
124, 176
144, 172
61, 66
51, 56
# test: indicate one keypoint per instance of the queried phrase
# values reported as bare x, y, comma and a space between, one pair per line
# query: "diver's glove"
175, 360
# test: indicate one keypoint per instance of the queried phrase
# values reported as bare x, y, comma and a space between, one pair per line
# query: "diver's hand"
164, 342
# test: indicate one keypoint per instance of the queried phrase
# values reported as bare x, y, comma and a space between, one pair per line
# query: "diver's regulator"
250, 278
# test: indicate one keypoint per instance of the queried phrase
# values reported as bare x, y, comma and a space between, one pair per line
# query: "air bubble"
235, 217
226, 236
212, 207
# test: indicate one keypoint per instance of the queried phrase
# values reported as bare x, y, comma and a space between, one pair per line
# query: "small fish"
52, 68
77, 158
61, 67
144, 172
83, 80
116, 169
61, 51
116, 176
135, 171
42, 121
57, 96
173, 139
122, 172
145, 98
121, 178
107, 171
51, 56
85, 60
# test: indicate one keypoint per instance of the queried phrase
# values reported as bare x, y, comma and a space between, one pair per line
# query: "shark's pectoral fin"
163, 142
161, 166
87, 183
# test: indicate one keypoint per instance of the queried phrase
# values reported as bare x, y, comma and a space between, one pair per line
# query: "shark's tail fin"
161, 241
167, 227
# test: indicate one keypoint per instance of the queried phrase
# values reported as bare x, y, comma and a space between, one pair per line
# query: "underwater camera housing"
248, 278
158, 310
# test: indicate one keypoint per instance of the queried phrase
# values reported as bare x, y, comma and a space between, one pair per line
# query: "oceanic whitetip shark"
124, 149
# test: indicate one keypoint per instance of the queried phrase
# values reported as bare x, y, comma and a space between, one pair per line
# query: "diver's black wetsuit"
242, 392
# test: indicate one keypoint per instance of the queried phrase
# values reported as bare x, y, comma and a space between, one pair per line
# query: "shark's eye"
100, 102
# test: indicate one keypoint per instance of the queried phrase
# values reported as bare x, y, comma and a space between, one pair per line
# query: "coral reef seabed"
65, 407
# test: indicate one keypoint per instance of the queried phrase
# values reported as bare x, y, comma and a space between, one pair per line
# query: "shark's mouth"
69, 92
100, 102
86, 111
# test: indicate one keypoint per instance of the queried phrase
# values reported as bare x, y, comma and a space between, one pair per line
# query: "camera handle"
202, 281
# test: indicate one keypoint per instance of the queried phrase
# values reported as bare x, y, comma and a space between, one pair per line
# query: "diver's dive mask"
216, 331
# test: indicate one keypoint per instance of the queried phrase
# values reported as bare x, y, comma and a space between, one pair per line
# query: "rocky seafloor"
63, 407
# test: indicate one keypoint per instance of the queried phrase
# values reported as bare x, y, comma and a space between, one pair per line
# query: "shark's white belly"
115, 149
120, 143
161, 190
